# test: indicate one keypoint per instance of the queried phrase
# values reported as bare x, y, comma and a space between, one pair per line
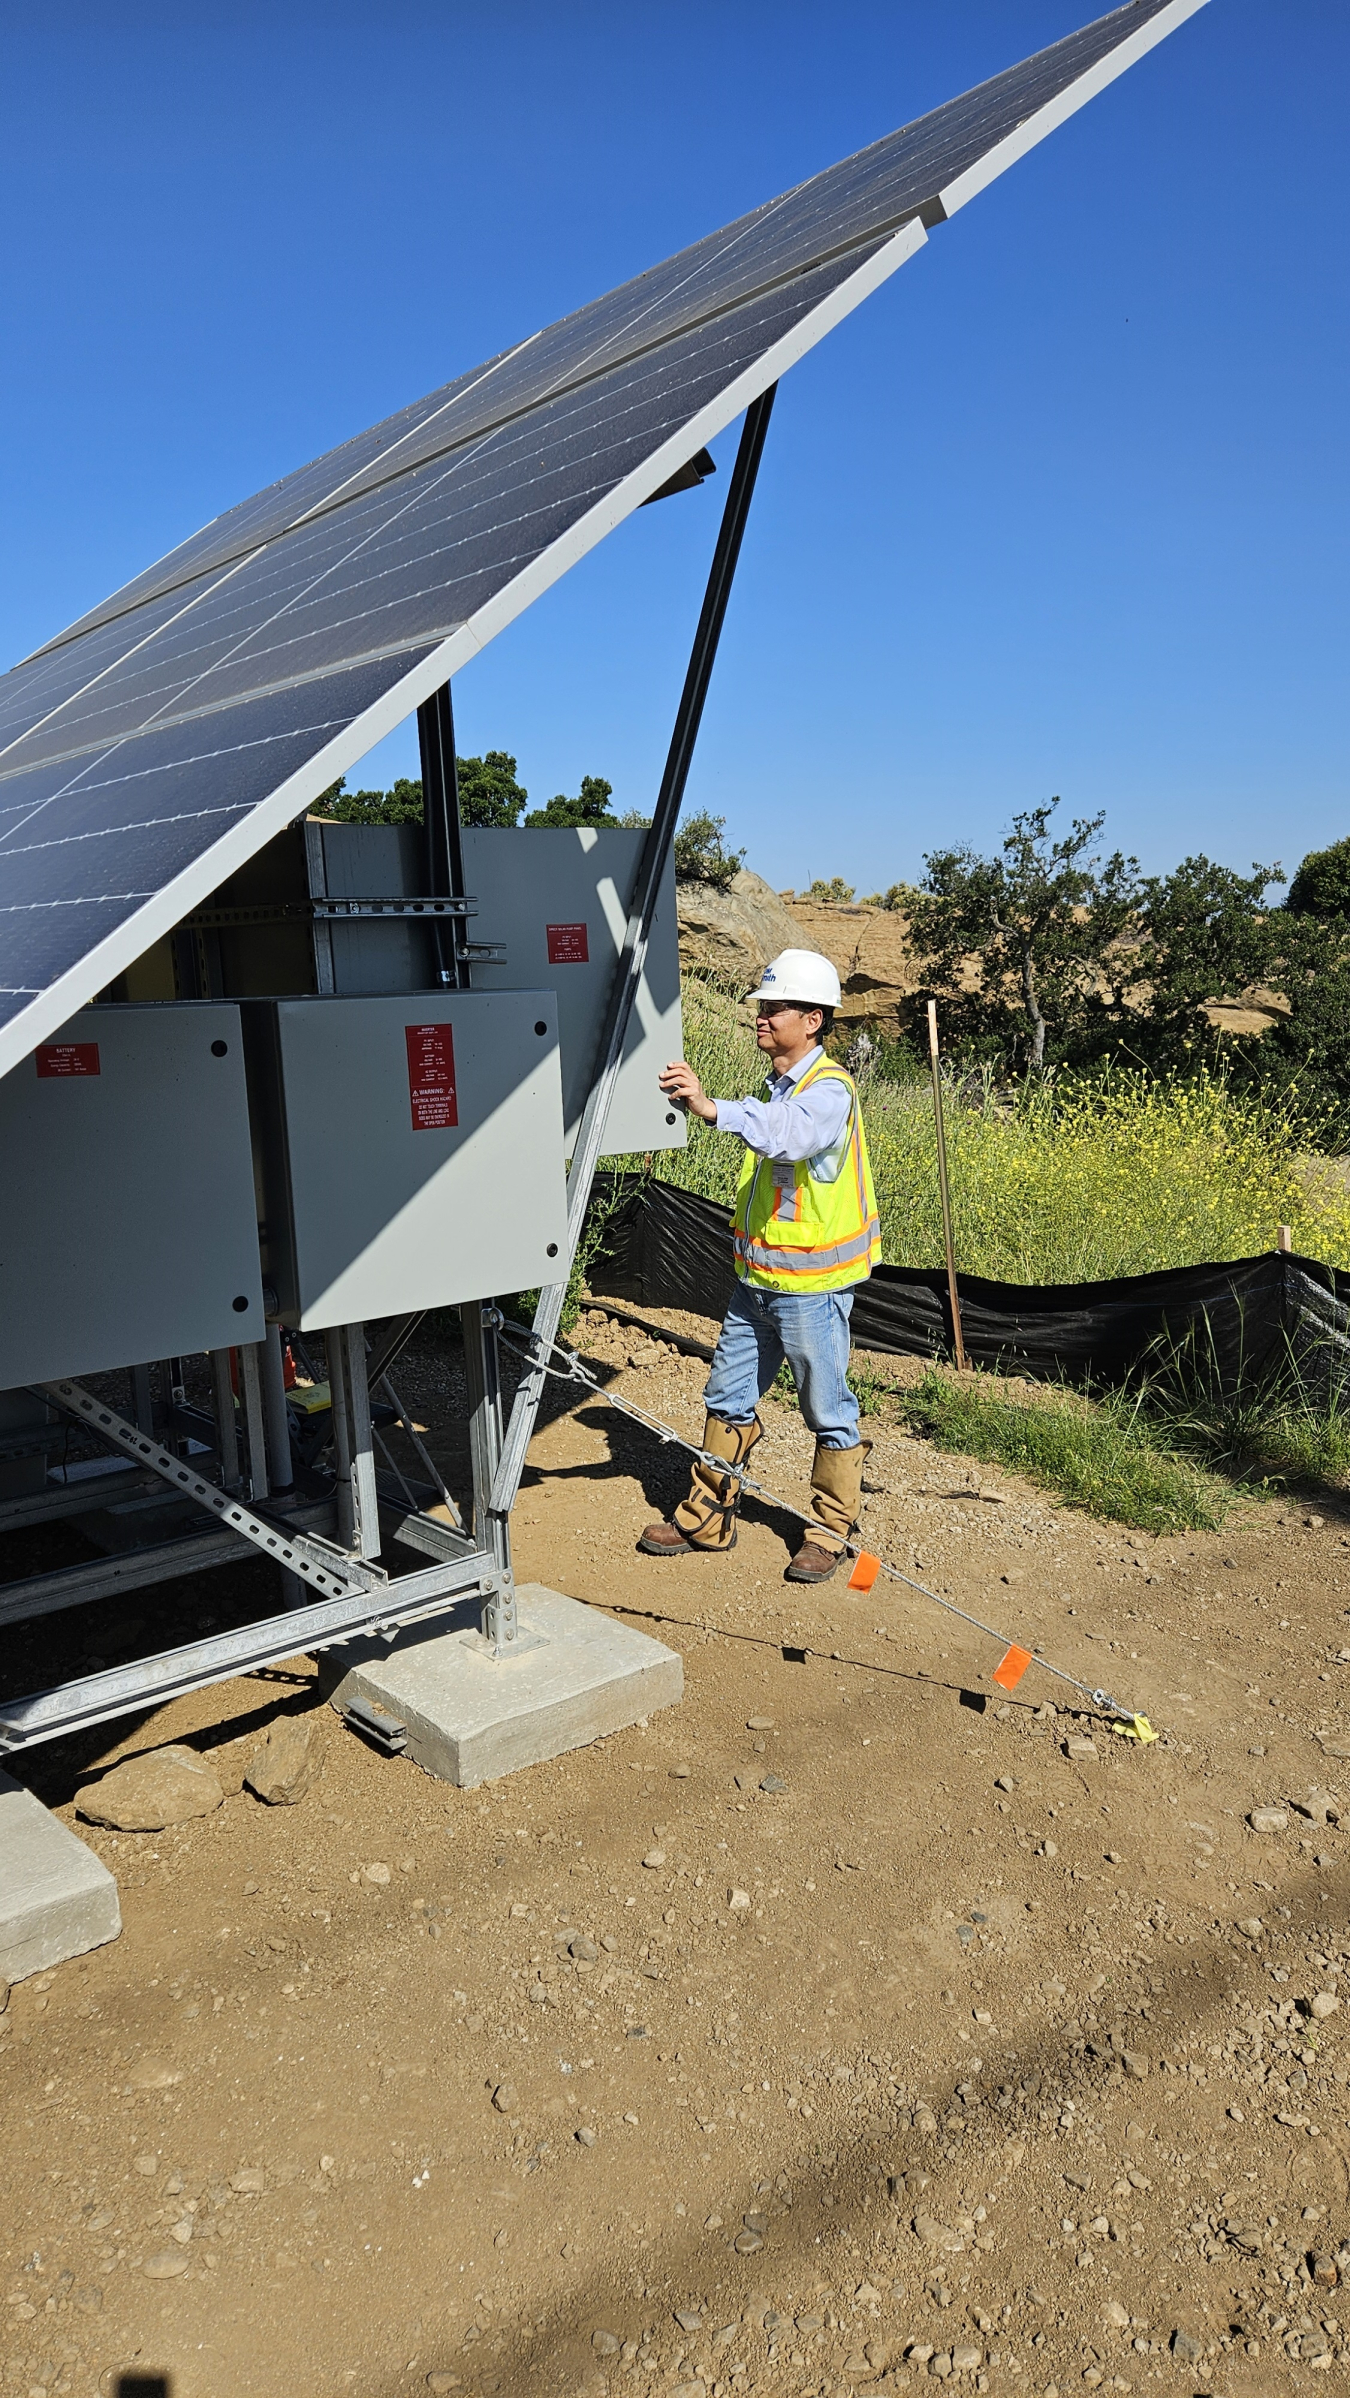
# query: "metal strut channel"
632, 962
329, 1569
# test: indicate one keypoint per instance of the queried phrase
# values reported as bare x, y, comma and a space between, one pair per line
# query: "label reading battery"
431, 1076
567, 945
67, 1057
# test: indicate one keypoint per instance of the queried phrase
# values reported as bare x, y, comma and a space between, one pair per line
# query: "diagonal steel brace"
319, 1562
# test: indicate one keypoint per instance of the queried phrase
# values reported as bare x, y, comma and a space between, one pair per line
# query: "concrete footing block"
471, 1718
57, 1899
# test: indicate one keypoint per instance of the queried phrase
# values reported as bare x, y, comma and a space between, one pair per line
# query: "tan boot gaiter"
836, 1490
707, 1518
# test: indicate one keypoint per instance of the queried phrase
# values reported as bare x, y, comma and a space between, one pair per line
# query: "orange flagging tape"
1010, 1669
864, 1572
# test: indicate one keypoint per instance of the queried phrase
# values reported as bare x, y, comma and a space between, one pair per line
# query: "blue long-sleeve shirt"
789, 1125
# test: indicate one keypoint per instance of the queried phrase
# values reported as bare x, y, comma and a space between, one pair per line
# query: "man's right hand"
679, 1082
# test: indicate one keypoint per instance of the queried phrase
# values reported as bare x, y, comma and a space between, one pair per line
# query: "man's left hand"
679, 1082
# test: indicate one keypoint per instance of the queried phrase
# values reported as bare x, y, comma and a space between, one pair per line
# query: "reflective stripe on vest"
806, 1234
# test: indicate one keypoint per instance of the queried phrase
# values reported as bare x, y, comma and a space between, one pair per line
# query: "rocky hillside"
733, 933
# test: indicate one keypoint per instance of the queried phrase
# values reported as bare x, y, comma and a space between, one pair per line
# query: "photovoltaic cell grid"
151, 749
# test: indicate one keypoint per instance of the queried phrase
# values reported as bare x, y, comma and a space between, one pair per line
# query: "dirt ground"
834, 2029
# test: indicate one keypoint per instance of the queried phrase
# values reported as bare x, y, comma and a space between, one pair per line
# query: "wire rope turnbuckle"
868, 1568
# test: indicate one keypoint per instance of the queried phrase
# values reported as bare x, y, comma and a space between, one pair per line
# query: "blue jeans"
809, 1329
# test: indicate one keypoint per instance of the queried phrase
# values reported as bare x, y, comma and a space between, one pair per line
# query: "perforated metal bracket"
327, 1568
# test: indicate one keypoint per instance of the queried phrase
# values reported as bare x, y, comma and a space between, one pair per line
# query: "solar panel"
152, 748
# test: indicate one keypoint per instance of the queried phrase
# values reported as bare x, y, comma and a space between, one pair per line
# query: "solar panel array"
151, 749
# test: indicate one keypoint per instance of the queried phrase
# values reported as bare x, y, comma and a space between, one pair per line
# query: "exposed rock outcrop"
736, 931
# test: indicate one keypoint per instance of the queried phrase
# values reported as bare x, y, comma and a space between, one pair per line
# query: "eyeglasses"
780, 1007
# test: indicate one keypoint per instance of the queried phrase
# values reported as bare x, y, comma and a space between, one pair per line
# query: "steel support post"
222, 1407
440, 822
142, 1398
278, 1423
255, 1431
633, 957
491, 1531
353, 1438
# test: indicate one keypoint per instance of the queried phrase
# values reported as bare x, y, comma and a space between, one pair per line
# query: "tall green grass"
1067, 1182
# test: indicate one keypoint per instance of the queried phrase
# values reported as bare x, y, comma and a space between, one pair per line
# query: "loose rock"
1183, 2346
506, 2098
379, 1874
146, 2164
1325, 2004
168, 1786
738, 1901
654, 1859
1116, 2315
153, 2074
1082, 1747
1268, 1819
606, 2343
1251, 1927
759, 1723
281, 1771
163, 2265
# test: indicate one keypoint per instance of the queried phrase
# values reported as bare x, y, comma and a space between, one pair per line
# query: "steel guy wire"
528, 1347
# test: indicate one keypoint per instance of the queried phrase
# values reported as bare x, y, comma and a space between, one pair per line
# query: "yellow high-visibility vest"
812, 1226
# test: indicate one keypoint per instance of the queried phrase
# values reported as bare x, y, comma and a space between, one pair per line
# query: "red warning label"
67, 1057
567, 945
431, 1076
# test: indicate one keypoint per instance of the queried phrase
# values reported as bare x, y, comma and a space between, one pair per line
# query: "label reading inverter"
568, 945
62, 1058
431, 1076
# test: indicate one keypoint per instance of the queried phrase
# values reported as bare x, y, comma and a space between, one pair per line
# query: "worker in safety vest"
806, 1231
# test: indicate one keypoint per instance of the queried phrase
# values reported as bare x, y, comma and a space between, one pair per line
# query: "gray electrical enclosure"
409, 1150
128, 1228
559, 903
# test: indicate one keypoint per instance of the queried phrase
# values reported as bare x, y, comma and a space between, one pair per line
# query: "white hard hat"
801, 976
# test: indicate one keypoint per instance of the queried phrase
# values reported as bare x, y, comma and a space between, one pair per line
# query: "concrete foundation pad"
471, 1718
57, 1899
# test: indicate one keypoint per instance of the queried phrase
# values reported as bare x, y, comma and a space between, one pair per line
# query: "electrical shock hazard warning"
67, 1057
567, 945
431, 1076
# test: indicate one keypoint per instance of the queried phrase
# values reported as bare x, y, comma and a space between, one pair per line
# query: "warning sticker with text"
567, 945
431, 1076
67, 1057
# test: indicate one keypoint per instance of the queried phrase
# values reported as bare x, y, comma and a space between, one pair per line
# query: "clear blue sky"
1061, 510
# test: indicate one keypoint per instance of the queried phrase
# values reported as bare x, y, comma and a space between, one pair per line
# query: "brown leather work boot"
706, 1519
836, 1502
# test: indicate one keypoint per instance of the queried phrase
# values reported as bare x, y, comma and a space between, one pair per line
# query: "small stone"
739, 1901
1048, 1848
1183, 2346
506, 2098
169, 1786
583, 1950
146, 2164
606, 2343
680, 1773
281, 1771
919, 2352
1325, 2004
441, 2382
164, 2264
773, 1784
759, 2223
1116, 2315
378, 1874
748, 2242
688, 2318
1325, 2272
153, 2074
1268, 1819
1135, 2064
937, 2235
586, 2136
1237, 2115
967, 2360
1081, 1746
1251, 1927
654, 1859
940, 2365
249, 2179
759, 1723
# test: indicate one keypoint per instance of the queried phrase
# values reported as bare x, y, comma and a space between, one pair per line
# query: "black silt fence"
1253, 1319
